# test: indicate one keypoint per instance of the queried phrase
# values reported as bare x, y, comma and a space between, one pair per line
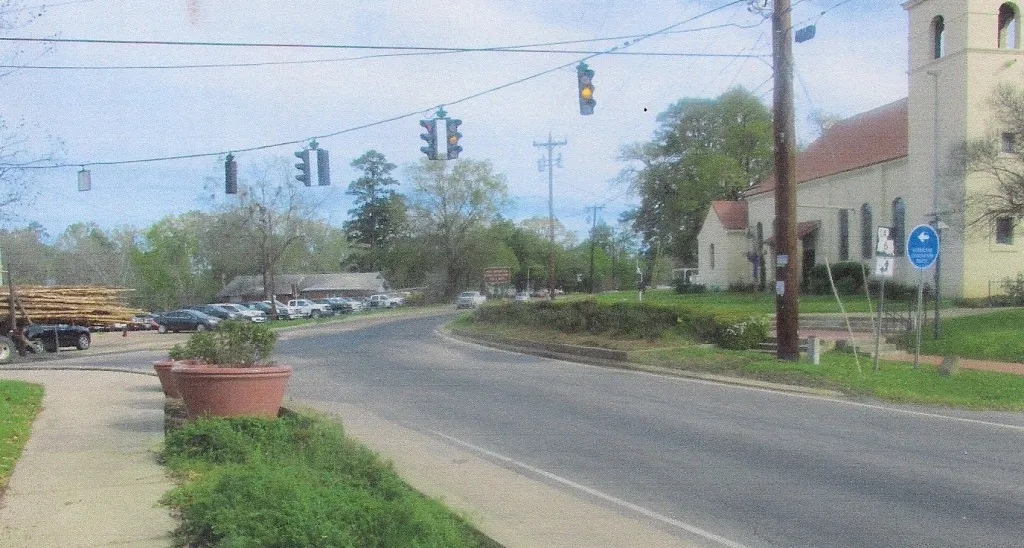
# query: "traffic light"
323, 167
230, 175
430, 137
303, 167
585, 76
452, 130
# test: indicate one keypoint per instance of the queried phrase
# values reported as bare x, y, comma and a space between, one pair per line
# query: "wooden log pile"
81, 305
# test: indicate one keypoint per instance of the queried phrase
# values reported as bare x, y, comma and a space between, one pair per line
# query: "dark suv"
49, 337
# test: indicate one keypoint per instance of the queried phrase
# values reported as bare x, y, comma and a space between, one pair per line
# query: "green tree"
24, 253
379, 215
172, 270
89, 255
447, 205
704, 150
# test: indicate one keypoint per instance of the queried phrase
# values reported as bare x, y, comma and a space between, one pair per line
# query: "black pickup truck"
49, 337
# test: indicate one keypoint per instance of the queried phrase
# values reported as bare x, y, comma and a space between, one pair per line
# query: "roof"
803, 229
732, 214
869, 138
294, 283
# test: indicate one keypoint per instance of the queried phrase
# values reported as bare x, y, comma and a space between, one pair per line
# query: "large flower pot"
231, 391
163, 372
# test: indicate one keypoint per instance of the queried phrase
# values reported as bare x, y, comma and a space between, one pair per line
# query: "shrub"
232, 344
848, 277
1015, 290
744, 335
742, 287
684, 287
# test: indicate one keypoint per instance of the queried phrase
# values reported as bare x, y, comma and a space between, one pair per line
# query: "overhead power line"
354, 128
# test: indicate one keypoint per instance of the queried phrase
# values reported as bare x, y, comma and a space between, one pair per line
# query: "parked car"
185, 319
469, 299
384, 301
336, 304
522, 297
310, 309
244, 313
218, 311
50, 337
142, 322
283, 312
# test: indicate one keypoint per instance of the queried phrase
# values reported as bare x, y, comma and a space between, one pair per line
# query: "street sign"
884, 267
498, 275
885, 253
922, 246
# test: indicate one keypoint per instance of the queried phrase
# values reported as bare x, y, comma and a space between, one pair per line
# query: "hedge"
630, 319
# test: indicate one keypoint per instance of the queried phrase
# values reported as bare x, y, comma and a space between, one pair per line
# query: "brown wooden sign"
498, 275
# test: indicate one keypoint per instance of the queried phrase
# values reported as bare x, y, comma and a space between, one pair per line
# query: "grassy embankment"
19, 404
995, 336
296, 481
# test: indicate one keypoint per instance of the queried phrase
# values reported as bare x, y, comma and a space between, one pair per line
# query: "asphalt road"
758, 468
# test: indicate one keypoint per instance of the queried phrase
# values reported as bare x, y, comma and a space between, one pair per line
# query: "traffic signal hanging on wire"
430, 137
585, 78
303, 166
323, 167
453, 136
230, 175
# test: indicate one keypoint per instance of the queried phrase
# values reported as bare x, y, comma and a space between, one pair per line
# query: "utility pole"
786, 261
593, 230
550, 145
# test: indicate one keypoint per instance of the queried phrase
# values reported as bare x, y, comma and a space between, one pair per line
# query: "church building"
894, 166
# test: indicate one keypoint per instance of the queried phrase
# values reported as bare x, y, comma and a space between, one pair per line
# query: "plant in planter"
228, 373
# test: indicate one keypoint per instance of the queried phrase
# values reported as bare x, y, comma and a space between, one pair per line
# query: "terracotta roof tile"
868, 138
733, 215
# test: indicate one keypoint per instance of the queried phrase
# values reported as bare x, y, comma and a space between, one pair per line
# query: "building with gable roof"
310, 286
892, 166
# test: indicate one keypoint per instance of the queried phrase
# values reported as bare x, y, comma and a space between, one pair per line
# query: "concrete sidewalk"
88, 475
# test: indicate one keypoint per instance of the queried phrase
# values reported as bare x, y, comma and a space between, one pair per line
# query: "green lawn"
996, 336
19, 403
745, 303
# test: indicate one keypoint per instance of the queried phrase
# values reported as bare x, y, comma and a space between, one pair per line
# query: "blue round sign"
922, 246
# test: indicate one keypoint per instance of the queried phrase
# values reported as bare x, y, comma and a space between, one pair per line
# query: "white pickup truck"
309, 309
384, 301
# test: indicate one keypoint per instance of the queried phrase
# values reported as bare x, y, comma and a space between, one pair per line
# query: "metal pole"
786, 305
920, 309
878, 332
550, 145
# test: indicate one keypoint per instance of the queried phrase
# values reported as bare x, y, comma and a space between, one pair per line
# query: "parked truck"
384, 301
310, 309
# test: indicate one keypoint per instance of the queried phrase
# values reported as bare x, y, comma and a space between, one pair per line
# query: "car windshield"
468, 294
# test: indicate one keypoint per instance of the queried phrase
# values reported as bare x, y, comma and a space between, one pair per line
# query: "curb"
75, 368
611, 360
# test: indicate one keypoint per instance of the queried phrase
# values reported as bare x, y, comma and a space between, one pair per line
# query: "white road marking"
593, 492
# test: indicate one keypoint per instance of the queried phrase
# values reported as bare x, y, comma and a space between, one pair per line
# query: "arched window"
711, 256
938, 36
867, 231
1009, 28
844, 235
899, 225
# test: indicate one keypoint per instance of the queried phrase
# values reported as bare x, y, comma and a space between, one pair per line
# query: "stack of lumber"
82, 305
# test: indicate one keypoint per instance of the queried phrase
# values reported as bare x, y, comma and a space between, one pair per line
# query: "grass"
19, 404
894, 381
296, 481
997, 336
744, 303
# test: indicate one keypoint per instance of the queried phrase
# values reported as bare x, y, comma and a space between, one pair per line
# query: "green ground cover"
997, 336
296, 481
744, 303
19, 404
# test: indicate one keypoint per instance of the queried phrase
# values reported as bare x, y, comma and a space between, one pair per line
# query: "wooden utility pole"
593, 231
550, 145
786, 259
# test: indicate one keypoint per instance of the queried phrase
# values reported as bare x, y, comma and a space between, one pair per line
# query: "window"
1008, 142
899, 225
867, 248
1004, 230
1008, 27
938, 36
711, 257
844, 235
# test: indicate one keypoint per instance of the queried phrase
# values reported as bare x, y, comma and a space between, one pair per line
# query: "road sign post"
885, 265
922, 252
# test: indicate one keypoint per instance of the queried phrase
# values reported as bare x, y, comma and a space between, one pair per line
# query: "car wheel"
314, 314
6, 350
200, 327
83, 342
161, 329
36, 346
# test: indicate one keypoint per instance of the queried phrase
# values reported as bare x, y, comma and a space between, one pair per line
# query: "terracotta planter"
231, 391
163, 372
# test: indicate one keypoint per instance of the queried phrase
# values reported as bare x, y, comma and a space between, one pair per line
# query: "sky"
856, 61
